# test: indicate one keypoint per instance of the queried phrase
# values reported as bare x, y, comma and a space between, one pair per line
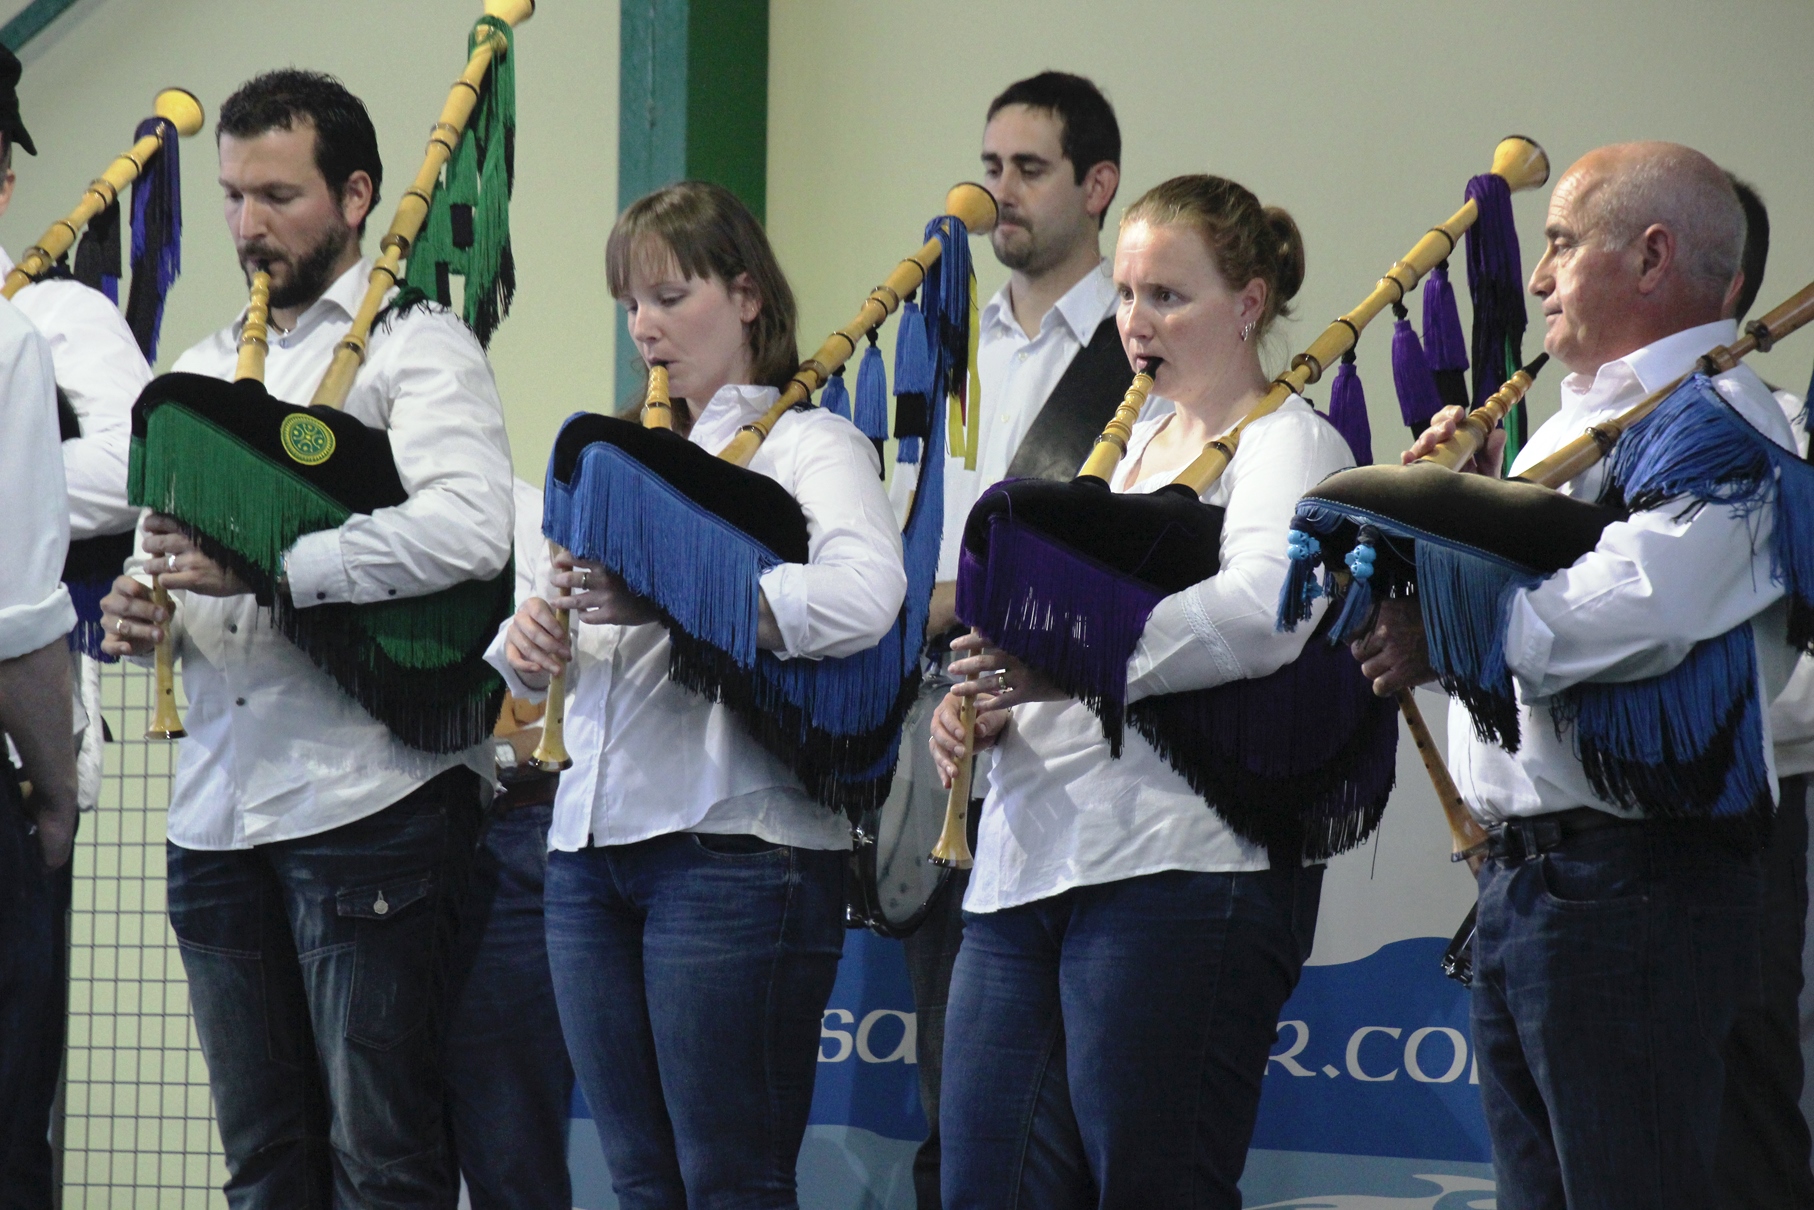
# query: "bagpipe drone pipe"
694, 533
246, 474
1683, 745
1064, 577
151, 167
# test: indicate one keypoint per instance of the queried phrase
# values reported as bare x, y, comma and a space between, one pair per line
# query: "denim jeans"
509, 1081
1108, 1043
692, 973
316, 972
1607, 975
1764, 1146
34, 990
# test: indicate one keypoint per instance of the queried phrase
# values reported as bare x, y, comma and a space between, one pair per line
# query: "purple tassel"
157, 237
835, 398
1348, 411
1443, 346
1417, 397
1496, 285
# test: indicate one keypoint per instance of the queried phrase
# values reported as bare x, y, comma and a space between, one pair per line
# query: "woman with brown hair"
1125, 952
695, 894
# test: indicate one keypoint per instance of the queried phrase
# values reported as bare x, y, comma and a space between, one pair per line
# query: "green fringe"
245, 502
480, 175
444, 628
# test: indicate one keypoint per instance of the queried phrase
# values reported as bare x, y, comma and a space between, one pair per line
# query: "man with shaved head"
1614, 949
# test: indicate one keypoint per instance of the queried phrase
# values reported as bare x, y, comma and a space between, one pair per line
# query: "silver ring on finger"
1001, 679
585, 579
119, 626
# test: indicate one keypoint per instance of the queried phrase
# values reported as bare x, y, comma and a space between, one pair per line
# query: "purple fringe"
1348, 411
157, 237
1417, 397
1060, 611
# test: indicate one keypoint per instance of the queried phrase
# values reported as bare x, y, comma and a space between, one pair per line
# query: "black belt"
1529, 836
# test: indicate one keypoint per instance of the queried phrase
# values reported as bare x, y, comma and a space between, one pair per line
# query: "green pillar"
692, 104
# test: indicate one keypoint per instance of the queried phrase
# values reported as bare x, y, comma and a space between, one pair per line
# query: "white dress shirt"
276, 749
1063, 813
34, 606
101, 371
1655, 585
652, 757
1792, 713
1016, 375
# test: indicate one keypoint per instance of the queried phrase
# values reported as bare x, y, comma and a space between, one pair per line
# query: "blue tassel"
1466, 603
872, 396
1359, 602
1348, 411
907, 450
1300, 589
157, 237
1684, 745
835, 398
912, 354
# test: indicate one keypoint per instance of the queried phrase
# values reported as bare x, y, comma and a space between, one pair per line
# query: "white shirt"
276, 749
101, 371
1061, 812
1016, 375
1792, 713
1636, 604
34, 606
652, 757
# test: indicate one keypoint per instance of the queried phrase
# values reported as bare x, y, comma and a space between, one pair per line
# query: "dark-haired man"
314, 859
1764, 1140
1051, 370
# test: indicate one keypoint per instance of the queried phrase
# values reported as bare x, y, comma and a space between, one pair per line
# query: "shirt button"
232, 627
393, 592
321, 596
239, 701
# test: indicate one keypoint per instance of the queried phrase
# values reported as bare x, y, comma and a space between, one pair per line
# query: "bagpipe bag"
1687, 744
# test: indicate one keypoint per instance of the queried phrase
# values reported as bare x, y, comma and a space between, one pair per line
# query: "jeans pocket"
394, 953
1728, 966
723, 844
1575, 884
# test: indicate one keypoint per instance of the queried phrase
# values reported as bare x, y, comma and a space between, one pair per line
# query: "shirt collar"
1658, 363
345, 294
735, 405
1081, 309
6, 263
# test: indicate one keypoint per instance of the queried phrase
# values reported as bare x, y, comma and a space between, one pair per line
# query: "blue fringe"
86, 637
872, 395
908, 451
835, 398
1695, 446
1359, 603
912, 358
1465, 597
1685, 745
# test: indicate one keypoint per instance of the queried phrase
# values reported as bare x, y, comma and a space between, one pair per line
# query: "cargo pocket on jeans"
393, 959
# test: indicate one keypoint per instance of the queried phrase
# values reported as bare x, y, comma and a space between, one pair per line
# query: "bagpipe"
1686, 745
1064, 576
630, 495
247, 475
151, 167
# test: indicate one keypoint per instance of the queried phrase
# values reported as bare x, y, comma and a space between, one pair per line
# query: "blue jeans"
34, 991
316, 970
1106, 1045
692, 973
509, 1082
1607, 975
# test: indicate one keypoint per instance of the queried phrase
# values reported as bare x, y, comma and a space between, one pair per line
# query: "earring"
1247, 331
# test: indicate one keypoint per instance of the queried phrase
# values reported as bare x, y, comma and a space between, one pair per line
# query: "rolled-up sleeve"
844, 599
1224, 629
34, 606
446, 432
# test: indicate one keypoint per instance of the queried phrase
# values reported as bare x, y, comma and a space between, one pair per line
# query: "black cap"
10, 125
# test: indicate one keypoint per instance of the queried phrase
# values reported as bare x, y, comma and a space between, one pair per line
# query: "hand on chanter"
946, 741
1486, 461
598, 597
130, 623
1393, 653
1005, 680
178, 562
536, 645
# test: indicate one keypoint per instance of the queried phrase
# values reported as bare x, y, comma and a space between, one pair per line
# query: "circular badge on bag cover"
306, 439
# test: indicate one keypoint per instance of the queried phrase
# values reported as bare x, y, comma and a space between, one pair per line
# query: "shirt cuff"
494, 655
784, 586
1528, 640
28, 628
316, 566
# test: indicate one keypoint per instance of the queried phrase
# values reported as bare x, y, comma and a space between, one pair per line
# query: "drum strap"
1076, 411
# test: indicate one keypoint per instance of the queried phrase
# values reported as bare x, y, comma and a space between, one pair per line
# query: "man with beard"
1052, 371
315, 861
